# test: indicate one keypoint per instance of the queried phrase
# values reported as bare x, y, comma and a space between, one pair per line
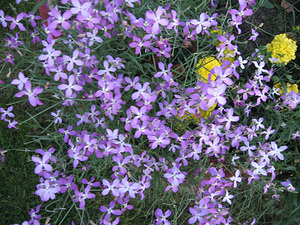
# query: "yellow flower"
227, 55
290, 87
282, 48
204, 67
189, 118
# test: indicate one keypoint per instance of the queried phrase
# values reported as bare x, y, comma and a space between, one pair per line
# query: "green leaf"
290, 168
268, 4
275, 79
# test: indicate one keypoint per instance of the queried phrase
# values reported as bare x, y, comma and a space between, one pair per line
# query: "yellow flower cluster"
204, 67
290, 87
282, 48
189, 118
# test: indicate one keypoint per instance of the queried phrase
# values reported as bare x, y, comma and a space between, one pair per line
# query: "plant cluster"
149, 102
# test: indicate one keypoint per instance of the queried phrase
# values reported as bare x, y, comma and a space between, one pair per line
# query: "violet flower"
47, 191
3, 19
156, 19
7, 112
202, 23
71, 86
16, 21
33, 100
161, 218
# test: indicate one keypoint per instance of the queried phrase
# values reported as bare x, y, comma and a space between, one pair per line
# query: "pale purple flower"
16, 21
111, 186
129, 187
156, 18
161, 218
174, 175
229, 118
236, 178
2, 19
276, 152
57, 118
227, 197
254, 35
61, 19
50, 56
248, 148
203, 22
259, 168
47, 191
198, 214
289, 185
71, 61
71, 86
21, 81
268, 132
7, 112
42, 163
33, 100
83, 9
217, 95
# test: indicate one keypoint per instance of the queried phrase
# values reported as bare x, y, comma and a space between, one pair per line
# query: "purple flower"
254, 35
33, 100
113, 187
34, 215
11, 124
156, 19
176, 22
161, 218
83, 9
80, 196
166, 73
51, 54
42, 163
21, 81
138, 44
56, 116
236, 178
174, 175
47, 191
3, 19
68, 88
73, 60
203, 23
110, 210
197, 214
61, 19
229, 118
7, 112
276, 152
16, 21
289, 185
67, 132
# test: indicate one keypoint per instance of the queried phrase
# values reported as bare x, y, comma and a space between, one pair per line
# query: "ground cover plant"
152, 112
